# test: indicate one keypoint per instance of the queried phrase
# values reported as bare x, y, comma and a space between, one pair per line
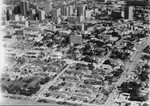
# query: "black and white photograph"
75, 53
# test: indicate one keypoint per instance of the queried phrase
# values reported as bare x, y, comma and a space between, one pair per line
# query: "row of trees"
25, 87
133, 88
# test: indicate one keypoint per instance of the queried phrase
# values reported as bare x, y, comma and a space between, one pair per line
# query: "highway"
128, 68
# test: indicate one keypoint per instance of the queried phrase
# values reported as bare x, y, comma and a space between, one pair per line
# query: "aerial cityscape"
76, 52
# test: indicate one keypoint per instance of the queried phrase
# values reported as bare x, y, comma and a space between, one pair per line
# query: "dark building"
7, 15
80, 10
17, 10
116, 14
24, 7
27, 6
138, 2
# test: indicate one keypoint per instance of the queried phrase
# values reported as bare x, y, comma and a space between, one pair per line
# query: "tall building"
70, 10
128, 13
48, 6
64, 10
7, 15
17, 10
80, 10
41, 15
27, 6
56, 12
24, 7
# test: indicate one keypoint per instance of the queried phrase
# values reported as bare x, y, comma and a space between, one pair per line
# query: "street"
128, 68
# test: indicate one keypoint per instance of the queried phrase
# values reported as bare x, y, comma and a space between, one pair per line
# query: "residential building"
75, 39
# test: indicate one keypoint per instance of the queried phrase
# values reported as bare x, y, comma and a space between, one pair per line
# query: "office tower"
64, 10
80, 10
87, 13
41, 15
7, 15
24, 7
17, 10
128, 14
27, 7
48, 6
56, 12
70, 10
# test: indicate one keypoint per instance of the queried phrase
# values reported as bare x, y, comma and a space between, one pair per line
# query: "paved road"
49, 84
129, 67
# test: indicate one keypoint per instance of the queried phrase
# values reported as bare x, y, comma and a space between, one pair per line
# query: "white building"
131, 12
88, 14
41, 15
70, 10
17, 17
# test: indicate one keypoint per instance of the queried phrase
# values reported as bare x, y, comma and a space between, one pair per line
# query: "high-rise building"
7, 15
24, 7
128, 14
80, 10
41, 15
27, 6
56, 12
48, 6
64, 10
70, 10
17, 10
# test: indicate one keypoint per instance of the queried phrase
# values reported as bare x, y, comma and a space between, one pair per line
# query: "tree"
143, 76
91, 66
